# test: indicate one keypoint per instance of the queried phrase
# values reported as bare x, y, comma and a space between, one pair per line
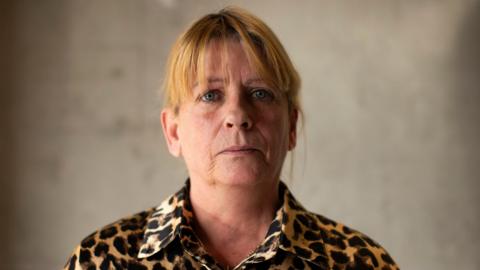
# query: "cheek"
276, 129
196, 134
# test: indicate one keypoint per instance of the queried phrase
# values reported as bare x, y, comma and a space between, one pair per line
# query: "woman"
231, 114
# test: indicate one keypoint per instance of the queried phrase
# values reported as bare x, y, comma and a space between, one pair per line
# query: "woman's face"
234, 130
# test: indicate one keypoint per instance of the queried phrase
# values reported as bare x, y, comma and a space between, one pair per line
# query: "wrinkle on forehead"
248, 82
219, 57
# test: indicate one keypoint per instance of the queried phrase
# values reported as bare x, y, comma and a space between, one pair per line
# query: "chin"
239, 175
246, 170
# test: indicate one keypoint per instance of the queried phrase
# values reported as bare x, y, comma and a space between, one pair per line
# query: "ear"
292, 134
170, 131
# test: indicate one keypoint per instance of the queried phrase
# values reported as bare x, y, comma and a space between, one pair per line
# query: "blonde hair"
263, 49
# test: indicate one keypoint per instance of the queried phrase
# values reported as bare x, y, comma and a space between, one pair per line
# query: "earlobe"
170, 131
292, 135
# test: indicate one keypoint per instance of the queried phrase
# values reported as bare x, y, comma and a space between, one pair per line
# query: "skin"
233, 134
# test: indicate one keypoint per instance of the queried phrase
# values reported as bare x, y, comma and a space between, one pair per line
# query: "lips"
239, 149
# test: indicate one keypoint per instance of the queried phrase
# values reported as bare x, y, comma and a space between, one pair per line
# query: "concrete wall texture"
390, 145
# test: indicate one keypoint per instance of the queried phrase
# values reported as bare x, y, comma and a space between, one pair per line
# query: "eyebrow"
254, 80
214, 79
210, 80
218, 79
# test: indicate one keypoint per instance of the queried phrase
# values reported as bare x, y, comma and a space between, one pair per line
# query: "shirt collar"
173, 218
165, 222
301, 235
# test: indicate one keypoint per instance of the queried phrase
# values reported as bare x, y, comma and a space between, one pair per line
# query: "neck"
235, 204
225, 212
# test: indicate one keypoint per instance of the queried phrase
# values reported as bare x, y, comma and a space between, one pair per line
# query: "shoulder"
342, 245
116, 243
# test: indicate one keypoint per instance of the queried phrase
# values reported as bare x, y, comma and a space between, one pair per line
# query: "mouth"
239, 150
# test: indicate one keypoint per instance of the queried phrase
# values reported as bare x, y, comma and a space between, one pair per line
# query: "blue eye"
210, 96
262, 94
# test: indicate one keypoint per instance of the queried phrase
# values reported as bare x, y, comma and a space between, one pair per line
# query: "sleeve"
73, 261
82, 256
374, 256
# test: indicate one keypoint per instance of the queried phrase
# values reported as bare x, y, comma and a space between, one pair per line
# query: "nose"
237, 116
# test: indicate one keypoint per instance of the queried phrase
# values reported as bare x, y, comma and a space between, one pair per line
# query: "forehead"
225, 55
227, 62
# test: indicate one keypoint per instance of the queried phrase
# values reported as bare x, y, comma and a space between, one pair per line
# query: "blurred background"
390, 146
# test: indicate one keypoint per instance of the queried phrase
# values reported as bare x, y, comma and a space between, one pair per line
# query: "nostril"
238, 121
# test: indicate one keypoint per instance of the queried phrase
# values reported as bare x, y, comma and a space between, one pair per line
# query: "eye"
262, 94
210, 96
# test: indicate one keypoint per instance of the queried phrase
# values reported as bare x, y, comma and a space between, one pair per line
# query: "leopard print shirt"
162, 238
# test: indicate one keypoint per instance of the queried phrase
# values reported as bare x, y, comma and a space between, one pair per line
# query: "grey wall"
6, 133
390, 146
